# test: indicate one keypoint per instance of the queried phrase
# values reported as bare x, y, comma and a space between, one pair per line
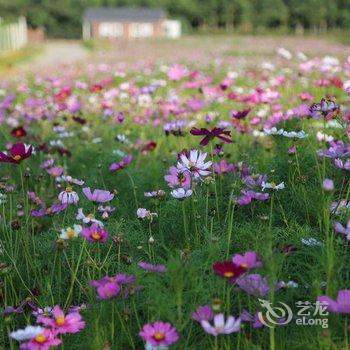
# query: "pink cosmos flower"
100, 196
95, 234
159, 334
220, 326
43, 341
122, 164
248, 261
61, 323
177, 178
341, 305
152, 268
55, 171
223, 167
176, 72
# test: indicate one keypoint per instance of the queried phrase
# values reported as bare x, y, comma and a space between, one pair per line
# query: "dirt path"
57, 53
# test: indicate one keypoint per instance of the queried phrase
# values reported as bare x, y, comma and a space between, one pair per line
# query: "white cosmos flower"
273, 186
88, 219
143, 213
27, 333
231, 325
68, 196
195, 163
181, 193
70, 233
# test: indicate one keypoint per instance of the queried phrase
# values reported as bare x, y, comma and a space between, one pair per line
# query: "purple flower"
248, 261
248, 196
337, 149
220, 133
342, 165
325, 108
343, 230
99, 196
152, 268
122, 164
255, 320
328, 185
254, 284
341, 305
204, 312
240, 114
68, 196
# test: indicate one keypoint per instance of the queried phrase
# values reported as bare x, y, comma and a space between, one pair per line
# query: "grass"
187, 236
10, 60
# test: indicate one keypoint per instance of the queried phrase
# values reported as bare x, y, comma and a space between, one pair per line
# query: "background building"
128, 23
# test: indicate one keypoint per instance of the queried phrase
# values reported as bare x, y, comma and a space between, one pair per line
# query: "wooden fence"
13, 36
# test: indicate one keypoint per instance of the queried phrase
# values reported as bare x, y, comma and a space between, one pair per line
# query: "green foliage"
63, 18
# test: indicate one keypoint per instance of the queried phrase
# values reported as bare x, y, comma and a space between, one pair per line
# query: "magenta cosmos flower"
42, 341
100, 196
95, 234
177, 178
159, 334
220, 133
70, 323
341, 305
248, 261
109, 287
18, 152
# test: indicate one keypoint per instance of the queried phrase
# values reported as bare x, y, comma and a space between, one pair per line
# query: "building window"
141, 30
110, 30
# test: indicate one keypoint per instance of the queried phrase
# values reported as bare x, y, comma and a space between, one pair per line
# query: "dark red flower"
240, 114
18, 132
18, 152
63, 94
79, 120
96, 87
209, 135
150, 146
228, 269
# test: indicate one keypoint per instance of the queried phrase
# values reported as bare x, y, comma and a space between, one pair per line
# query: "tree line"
62, 18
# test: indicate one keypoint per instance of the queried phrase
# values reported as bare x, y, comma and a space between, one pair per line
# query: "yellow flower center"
91, 216
229, 274
40, 339
70, 232
69, 189
159, 336
60, 321
17, 157
96, 236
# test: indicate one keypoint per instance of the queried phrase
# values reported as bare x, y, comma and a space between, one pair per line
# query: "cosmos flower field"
177, 206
